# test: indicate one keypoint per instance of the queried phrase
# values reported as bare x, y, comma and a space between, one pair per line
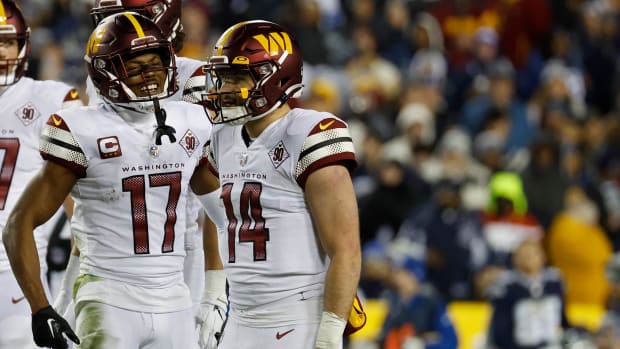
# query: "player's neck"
255, 127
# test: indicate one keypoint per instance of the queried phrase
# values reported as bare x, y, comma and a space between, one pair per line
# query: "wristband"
215, 285
330, 330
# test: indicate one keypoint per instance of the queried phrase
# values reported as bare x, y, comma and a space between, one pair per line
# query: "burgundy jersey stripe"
79, 170
346, 159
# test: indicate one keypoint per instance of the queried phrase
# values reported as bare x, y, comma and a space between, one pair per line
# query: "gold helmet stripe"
2, 14
135, 23
287, 42
220, 43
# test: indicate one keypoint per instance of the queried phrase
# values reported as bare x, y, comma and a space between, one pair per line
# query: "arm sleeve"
328, 143
193, 273
58, 144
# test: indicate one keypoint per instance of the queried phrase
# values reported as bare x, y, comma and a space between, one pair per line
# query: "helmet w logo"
93, 42
2, 14
275, 42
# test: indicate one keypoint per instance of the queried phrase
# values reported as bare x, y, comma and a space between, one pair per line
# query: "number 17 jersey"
130, 196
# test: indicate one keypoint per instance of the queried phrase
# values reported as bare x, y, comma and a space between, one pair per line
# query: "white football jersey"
269, 248
130, 198
189, 73
25, 107
186, 69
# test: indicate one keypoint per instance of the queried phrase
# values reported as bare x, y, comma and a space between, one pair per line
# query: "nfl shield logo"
243, 159
154, 151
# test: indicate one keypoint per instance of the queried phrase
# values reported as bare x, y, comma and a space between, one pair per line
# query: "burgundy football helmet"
165, 13
266, 52
13, 27
117, 39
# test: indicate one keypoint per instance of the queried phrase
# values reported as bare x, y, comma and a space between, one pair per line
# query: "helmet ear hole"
21, 43
178, 41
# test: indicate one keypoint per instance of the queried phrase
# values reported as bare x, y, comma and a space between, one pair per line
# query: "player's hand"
211, 319
48, 328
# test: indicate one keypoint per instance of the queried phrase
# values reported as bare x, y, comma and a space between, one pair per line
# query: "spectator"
426, 83
607, 192
455, 248
579, 248
306, 29
426, 33
608, 334
488, 149
452, 161
197, 29
416, 125
375, 82
394, 43
417, 318
528, 302
543, 181
562, 90
501, 95
599, 54
507, 221
399, 190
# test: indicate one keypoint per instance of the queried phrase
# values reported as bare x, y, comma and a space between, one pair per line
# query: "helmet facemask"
241, 105
146, 75
114, 79
14, 29
12, 69
229, 99
270, 55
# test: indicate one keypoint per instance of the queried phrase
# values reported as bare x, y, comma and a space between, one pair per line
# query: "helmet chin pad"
8, 79
235, 115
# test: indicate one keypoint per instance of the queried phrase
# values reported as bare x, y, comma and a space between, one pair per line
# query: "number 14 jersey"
269, 246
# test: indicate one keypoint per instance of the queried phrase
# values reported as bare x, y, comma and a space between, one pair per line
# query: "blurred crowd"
479, 125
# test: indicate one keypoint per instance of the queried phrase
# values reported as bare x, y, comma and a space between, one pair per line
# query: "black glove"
48, 328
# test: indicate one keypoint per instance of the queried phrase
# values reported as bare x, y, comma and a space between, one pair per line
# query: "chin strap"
162, 129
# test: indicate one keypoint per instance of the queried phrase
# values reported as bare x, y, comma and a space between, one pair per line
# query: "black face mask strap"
162, 129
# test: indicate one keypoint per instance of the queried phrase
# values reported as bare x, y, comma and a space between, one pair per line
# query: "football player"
167, 15
25, 106
129, 175
291, 246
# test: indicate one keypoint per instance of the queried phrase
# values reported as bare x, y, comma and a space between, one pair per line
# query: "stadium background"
439, 95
